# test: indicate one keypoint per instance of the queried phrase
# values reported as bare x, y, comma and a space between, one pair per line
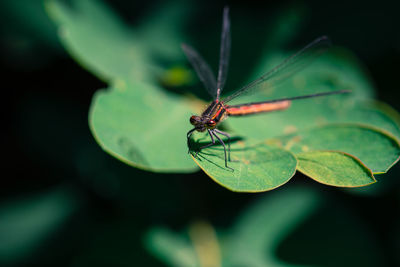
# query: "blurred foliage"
28, 36
30, 221
264, 228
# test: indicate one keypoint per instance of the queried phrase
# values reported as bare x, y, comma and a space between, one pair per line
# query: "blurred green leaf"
28, 37
170, 247
253, 238
334, 235
256, 166
161, 31
285, 27
26, 223
334, 168
276, 220
101, 42
114, 242
250, 241
28, 17
98, 39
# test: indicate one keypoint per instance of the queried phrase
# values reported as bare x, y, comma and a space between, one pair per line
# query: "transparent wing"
224, 52
202, 69
292, 98
287, 68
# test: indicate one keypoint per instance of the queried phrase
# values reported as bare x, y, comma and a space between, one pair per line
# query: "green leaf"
97, 39
380, 115
161, 31
376, 149
102, 43
252, 239
29, 20
334, 168
170, 247
259, 230
143, 131
256, 237
256, 167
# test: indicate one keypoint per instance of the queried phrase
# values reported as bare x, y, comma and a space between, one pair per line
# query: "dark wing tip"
184, 46
226, 15
188, 50
325, 39
226, 10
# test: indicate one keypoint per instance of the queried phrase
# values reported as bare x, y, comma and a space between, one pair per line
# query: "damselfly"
218, 110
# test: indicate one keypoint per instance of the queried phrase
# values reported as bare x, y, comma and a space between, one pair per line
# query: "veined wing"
202, 69
272, 105
224, 52
287, 68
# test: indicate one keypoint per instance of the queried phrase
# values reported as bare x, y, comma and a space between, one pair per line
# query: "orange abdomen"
247, 109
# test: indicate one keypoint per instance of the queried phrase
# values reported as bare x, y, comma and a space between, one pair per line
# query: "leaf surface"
140, 130
376, 149
256, 166
334, 168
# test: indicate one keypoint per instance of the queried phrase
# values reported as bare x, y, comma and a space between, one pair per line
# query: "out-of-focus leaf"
101, 42
334, 168
256, 167
334, 235
28, 37
284, 28
98, 39
251, 241
161, 32
257, 233
26, 223
170, 247
114, 242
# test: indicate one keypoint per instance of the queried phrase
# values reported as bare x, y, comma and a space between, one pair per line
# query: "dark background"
47, 145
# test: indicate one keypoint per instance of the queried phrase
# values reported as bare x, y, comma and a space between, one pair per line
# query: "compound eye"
193, 120
211, 124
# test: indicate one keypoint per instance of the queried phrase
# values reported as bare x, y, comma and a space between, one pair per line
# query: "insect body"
219, 110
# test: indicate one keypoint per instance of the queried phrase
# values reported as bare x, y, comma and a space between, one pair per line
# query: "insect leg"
208, 145
229, 142
212, 140
223, 144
